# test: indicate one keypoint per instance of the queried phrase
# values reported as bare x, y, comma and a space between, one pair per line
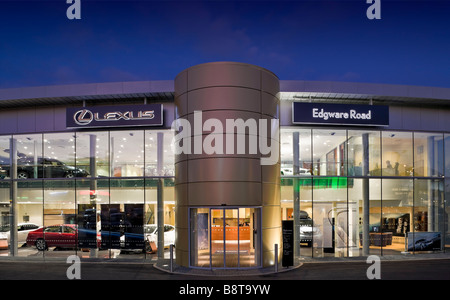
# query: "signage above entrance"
114, 116
340, 114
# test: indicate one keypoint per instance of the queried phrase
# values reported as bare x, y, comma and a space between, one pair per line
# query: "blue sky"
155, 40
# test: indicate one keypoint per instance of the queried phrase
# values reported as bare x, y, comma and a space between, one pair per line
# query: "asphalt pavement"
406, 269
112, 279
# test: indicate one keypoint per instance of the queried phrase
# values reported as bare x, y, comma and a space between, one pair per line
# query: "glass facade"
93, 194
107, 194
343, 188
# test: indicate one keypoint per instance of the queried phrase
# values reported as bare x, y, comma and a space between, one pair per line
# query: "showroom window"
29, 150
428, 154
59, 210
447, 154
397, 205
92, 153
298, 142
363, 145
447, 215
4, 215
58, 159
29, 208
329, 150
364, 216
127, 153
4, 156
428, 216
397, 154
101, 195
355, 192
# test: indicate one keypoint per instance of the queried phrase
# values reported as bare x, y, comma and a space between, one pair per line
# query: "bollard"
276, 258
171, 258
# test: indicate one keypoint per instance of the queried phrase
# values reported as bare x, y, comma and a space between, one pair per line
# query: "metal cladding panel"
410, 118
27, 121
429, 119
8, 122
45, 119
270, 105
224, 169
270, 83
223, 74
224, 193
224, 98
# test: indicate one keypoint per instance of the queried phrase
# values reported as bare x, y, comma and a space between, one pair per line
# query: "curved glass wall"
96, 194
364, 192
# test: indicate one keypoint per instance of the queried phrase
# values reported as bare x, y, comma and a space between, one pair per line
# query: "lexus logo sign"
107, 116
83, 117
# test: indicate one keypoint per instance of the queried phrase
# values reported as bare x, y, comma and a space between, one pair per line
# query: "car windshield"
306, 222
150, 228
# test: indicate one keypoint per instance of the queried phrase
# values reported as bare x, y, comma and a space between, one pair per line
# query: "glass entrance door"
218, 245
229, 237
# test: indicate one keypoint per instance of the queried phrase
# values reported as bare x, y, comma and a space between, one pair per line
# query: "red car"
64, 236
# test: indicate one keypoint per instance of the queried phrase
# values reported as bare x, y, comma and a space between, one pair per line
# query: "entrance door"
232, 234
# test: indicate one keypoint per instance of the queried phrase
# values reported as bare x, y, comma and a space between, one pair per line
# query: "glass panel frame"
5, 142
397, 153
397, 214
59, 210
30, 209
428, 216
357, 140
58, 156
329, 152
428, 154
5, 218
127, 153
29, 156
330, 227
92, 153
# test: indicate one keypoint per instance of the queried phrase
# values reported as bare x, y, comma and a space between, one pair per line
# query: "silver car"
22, 232
151, 238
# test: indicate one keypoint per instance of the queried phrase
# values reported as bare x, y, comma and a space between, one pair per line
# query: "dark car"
44, 168
308, 230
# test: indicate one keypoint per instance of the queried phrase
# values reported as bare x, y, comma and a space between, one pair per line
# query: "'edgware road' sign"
340, 114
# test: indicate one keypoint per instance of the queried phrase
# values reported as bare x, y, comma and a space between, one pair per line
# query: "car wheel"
69, 175
41, 245
22, 175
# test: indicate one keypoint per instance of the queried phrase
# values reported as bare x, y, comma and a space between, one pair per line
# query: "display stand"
406, 245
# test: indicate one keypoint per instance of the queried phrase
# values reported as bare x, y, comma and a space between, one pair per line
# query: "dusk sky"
155, 40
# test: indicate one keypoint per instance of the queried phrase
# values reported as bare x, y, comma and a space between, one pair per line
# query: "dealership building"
238, 168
